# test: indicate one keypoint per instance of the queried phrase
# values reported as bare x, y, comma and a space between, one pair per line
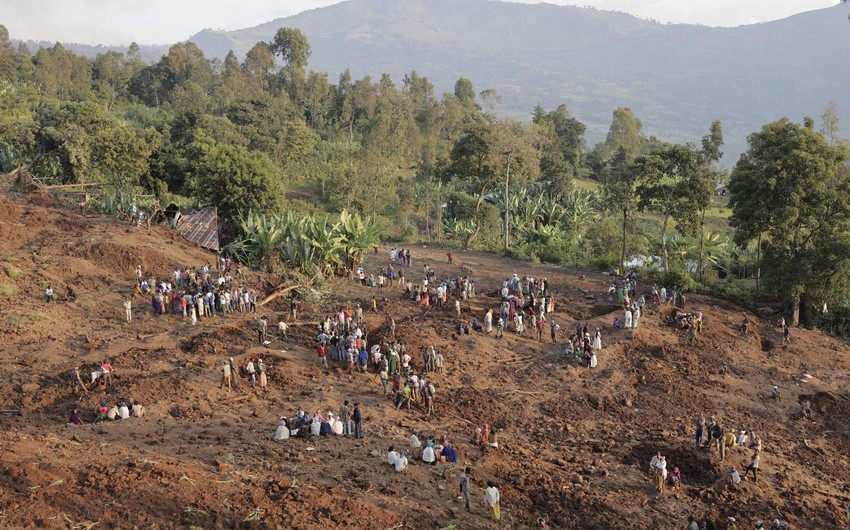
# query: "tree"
663, 178
561, 148
620, 192
512, 153
293, 48
471, 163
233, 179
626, 133
787, 185
258, 65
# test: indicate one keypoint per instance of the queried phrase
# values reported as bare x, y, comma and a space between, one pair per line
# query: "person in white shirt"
113, 412
492, 499
400, 462
428, 455
123, 411
252, 372
392, 456
593, 360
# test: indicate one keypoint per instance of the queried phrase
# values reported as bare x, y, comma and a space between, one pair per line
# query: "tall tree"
620, 193
664, 176
472, 164
293, 48
513, 155
786, 185
626, 133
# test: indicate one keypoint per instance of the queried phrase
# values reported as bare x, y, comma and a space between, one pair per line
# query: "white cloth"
597, 342
400, 463
392, 456
428, 455
491, 496
123, 412
414, 442
282, 433
315, 427
627, 319
593, 360
113, 413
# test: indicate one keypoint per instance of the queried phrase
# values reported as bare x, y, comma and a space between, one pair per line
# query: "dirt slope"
574, 443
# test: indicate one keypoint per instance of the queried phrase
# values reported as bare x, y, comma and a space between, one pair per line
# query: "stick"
519, 392
278, 293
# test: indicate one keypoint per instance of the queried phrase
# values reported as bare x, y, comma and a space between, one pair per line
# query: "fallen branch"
278, 293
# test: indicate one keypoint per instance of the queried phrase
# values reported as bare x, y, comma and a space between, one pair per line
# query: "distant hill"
676, 77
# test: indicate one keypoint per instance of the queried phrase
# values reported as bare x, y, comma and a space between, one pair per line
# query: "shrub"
735, 291
14, 272
8, 289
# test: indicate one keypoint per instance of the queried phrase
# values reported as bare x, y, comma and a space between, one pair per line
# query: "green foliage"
7, 290
787, 185
736, 291
312, 244
14, 272
233, 179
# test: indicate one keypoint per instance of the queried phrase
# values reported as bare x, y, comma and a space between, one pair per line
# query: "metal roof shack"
198, 226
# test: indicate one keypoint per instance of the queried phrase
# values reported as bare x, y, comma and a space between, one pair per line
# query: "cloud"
167, 21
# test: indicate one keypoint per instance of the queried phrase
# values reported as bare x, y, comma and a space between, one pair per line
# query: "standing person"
283, 327
464, 487
345, 418
786, 334
492, 498
234, 373
500, 327
540, 325
264, 380
700, 432
597, 340
262, 324
251, 370
450, 256
692, 523
106, 369
225, 376
754, 467
78, 380
322, 352
358, 421
553, 331
457, 307
128, 309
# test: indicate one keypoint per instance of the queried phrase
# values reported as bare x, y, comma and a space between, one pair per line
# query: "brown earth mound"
574, 444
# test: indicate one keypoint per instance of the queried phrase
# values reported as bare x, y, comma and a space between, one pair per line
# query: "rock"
204, 409
267, 465
29, 388
375, 453
224, 467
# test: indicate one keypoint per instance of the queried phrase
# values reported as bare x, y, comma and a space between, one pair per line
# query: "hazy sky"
167, 21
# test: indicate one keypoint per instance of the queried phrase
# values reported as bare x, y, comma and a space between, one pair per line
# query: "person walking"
492, 499
754, 467
464, 487
234, 373
358, 421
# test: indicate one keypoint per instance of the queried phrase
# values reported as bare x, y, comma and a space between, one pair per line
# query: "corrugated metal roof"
200, 227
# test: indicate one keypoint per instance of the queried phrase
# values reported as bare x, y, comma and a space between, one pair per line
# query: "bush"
7, 290
676, 277
14, 272
735, 291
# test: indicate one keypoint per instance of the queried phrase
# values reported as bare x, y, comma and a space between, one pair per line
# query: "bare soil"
574, 447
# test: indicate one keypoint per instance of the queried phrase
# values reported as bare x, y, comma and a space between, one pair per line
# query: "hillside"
677, 78
574, 443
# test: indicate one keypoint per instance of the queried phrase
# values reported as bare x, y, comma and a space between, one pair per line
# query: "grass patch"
14, 272
8, 289
87, 303
22, 321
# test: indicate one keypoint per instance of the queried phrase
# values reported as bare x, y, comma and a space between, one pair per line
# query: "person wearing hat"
102, 411
730, 524
358, 421
759, 525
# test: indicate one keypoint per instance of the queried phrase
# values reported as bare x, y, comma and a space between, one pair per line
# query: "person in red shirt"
322, 351
450, 256
106, 368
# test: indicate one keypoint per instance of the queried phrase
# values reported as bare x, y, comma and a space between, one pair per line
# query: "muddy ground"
574, 443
